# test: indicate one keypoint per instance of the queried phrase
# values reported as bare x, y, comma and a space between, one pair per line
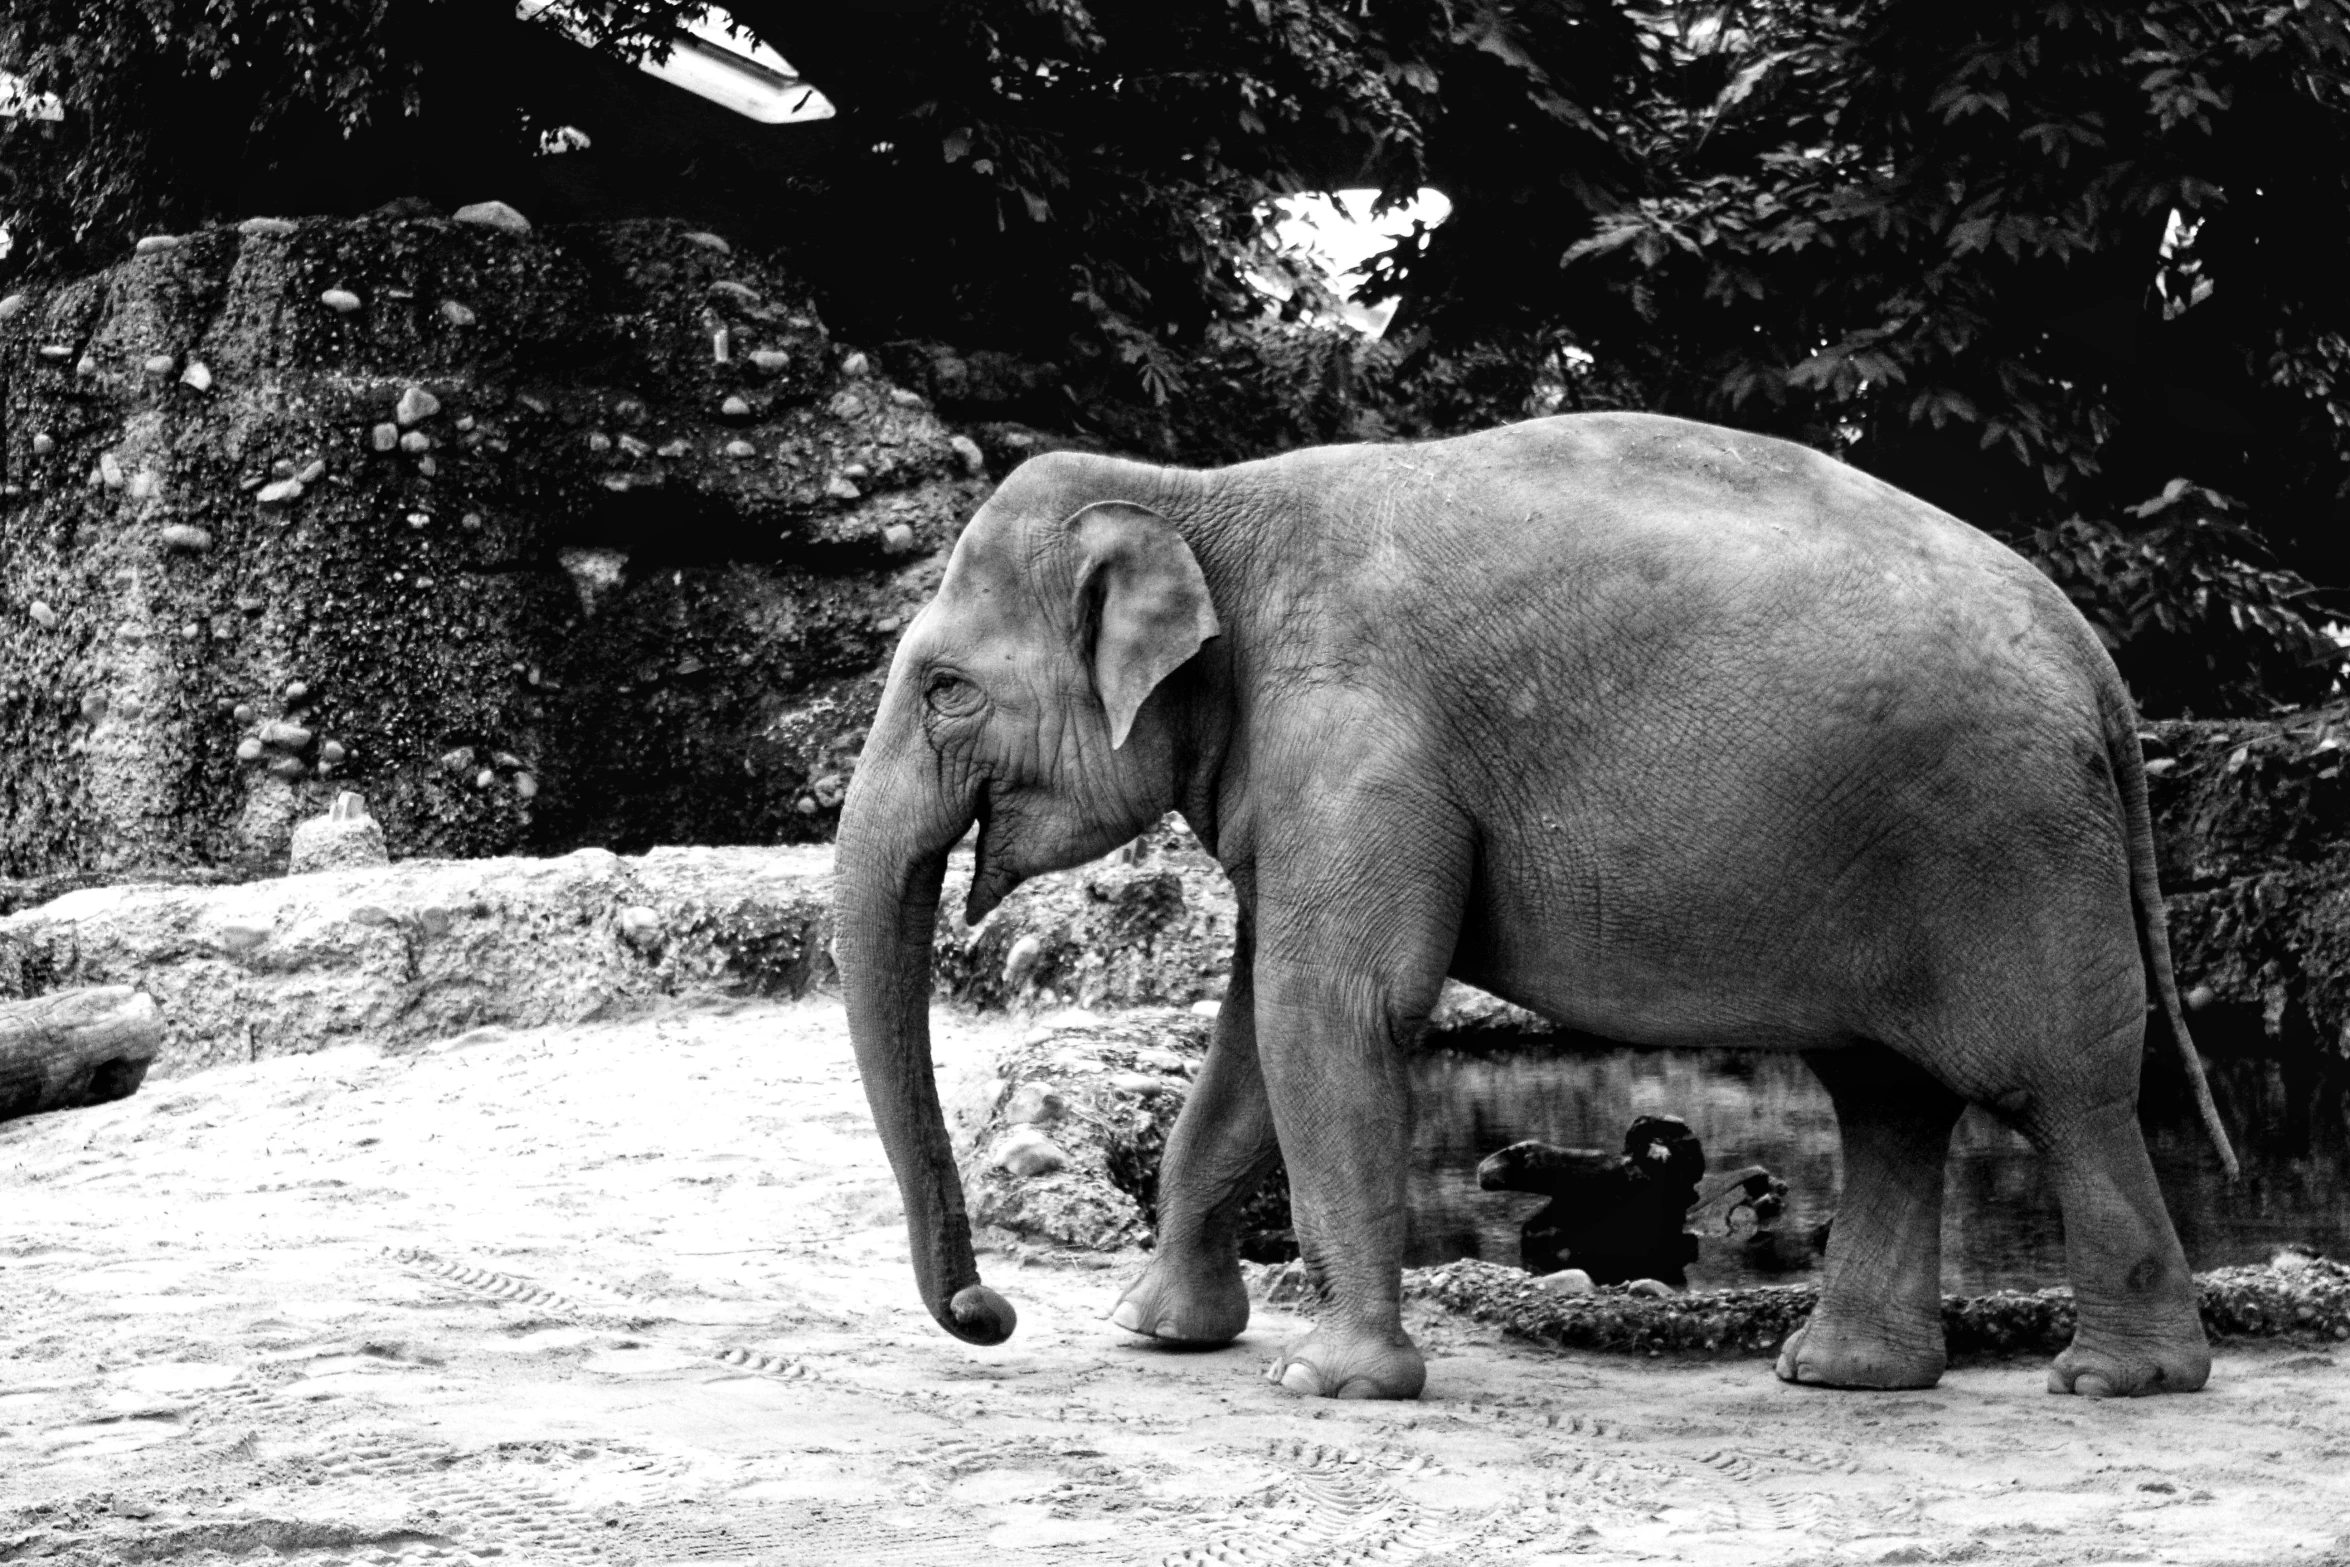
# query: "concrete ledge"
398, 955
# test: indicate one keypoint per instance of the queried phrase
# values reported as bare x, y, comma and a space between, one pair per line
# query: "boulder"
75, 1047
1150, 926
1061, 1145
558, 565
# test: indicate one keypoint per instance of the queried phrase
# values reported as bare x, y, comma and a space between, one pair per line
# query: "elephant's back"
1575, 483
1669, 562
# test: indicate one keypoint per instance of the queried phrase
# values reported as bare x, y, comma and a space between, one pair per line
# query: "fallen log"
72, 1048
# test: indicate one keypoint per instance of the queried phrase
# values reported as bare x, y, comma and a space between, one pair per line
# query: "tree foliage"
2026, 259
2032, 259
2188, 603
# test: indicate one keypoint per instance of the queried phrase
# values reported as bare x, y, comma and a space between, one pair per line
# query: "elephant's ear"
1142, 601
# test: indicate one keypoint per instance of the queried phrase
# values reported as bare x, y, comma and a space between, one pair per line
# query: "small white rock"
735, 408
974, 460
639, 926
43, 615
456, 314
897, 538
1024, 1151
855, 364
492, 215
198, 375
839, 488
1020, 962
280, 492
312, 471
739, 450
110, 471
341, 300
266, 228
1567, 1281
415, 404
44, 444
10, 306
1033, 1104
710, 241
159, 364
384, 437
156, 245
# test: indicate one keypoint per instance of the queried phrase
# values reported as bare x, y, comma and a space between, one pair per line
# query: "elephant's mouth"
990, 882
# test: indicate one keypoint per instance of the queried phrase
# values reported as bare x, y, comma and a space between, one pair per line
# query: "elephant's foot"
1847, 1354
2130, 1369
1327, 1363
1200, 1307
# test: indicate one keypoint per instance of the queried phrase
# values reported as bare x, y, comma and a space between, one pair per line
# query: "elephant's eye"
951, 695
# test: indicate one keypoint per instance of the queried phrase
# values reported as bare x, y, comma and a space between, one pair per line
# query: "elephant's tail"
2129, 766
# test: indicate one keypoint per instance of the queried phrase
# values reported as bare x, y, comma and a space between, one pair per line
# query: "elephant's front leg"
1220, 1149
1342, 993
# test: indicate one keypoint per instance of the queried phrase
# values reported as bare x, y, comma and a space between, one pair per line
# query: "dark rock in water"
422, 634
1618, 1216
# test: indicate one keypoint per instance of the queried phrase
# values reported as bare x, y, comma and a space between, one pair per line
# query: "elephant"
1675, 734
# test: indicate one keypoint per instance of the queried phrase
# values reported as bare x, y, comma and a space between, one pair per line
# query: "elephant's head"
1021, 698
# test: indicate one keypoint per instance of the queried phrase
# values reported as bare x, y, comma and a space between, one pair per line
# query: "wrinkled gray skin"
1677, 735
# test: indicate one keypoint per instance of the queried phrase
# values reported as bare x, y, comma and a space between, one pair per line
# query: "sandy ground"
636, 1292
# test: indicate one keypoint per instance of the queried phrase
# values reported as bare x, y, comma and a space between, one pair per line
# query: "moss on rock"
2298, 1298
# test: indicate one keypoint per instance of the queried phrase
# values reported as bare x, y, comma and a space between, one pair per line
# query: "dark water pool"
2000, 1226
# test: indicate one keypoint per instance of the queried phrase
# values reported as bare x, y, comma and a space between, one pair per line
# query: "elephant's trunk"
885, 903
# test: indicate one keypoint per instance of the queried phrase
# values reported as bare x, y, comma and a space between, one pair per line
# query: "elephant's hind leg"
2140, 1324
1223, 1143
1879, 1320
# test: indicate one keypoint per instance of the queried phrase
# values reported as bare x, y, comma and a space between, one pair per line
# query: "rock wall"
539, 539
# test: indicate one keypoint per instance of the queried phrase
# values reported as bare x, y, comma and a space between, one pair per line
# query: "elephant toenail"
1128, 1316
1300, 1378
